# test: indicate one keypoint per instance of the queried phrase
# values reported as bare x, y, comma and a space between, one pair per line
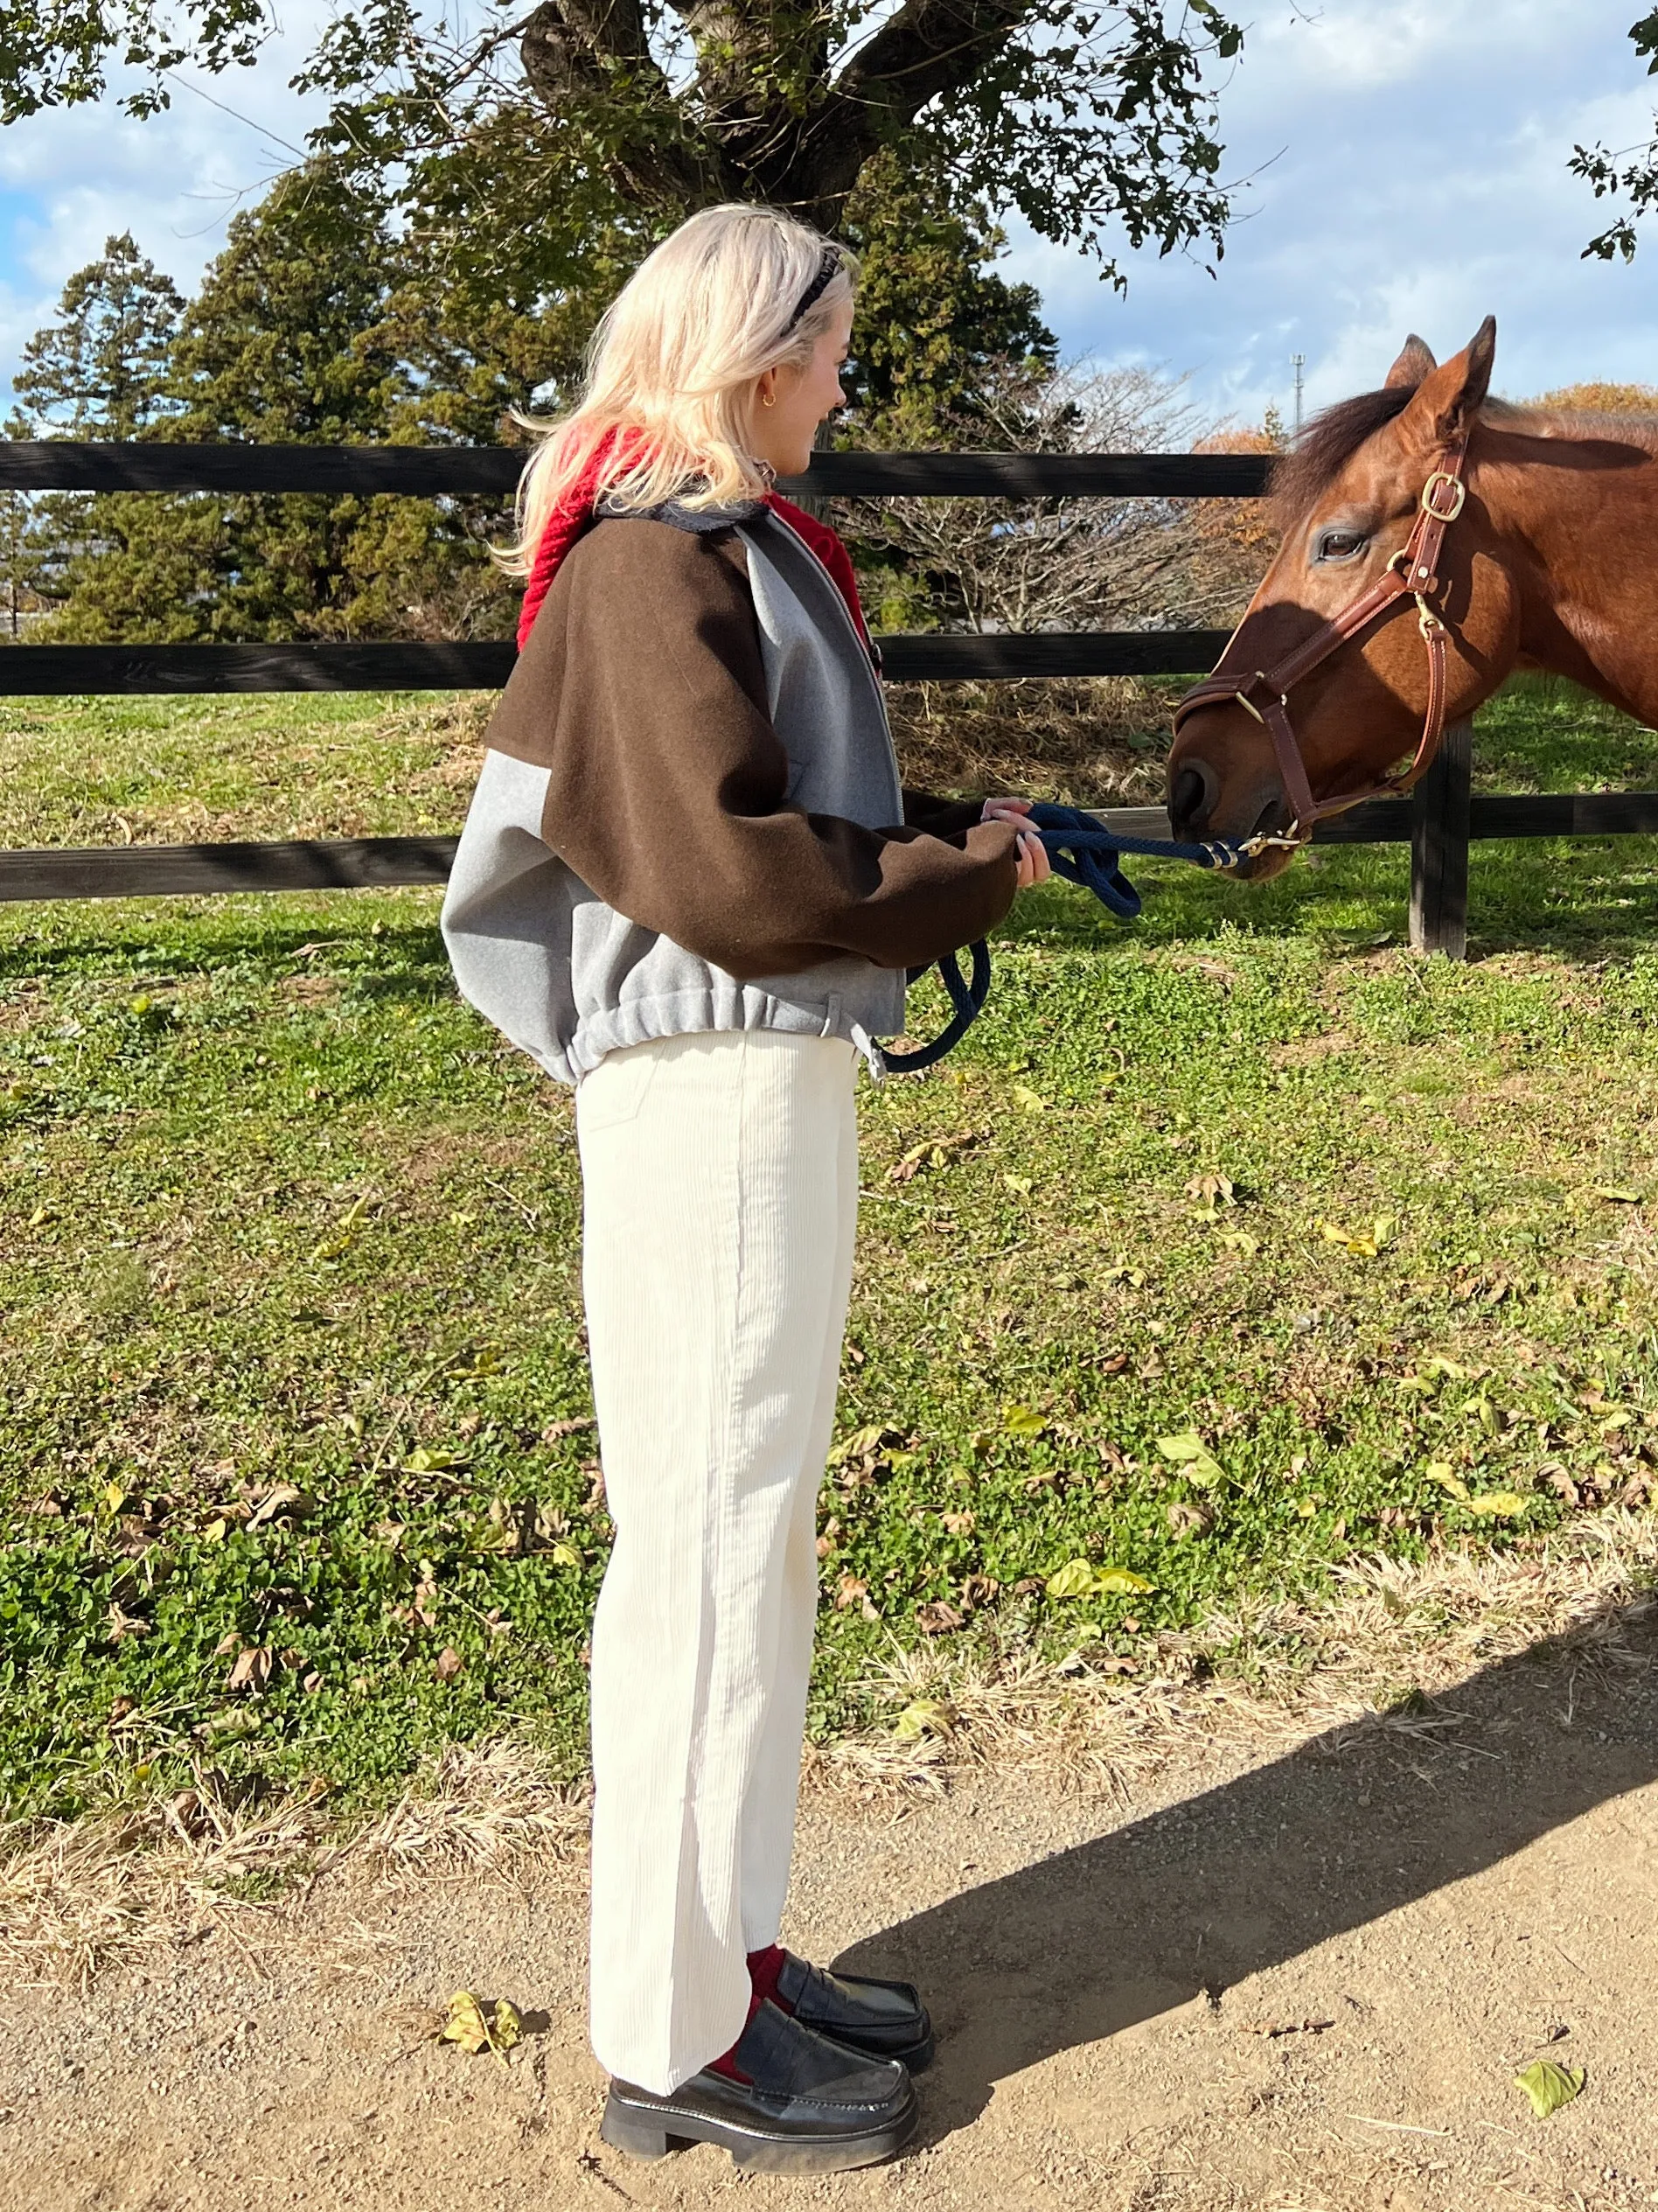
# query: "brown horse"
1551, 563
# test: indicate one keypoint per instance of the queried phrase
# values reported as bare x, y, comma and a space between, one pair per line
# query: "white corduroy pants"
720, 1194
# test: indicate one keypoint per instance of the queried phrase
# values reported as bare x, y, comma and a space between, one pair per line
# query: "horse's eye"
1339, 545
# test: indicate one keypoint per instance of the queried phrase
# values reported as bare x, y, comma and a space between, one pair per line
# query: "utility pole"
1298, 362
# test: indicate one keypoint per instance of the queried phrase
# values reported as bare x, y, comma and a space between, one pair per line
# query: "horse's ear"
1415, 363
1447, 403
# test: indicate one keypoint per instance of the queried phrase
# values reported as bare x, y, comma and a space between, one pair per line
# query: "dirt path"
1293, 1983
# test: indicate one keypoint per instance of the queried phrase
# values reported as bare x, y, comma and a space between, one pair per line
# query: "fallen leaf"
1079, 1579
422, 1461
861, 1444
1031, 1100
937, 1618
1442, 1472
1188, 1520
931, 1152
1188, 1450
252, 1669
1117, 1581
466, 2024
849, 1591
507, 2024
1022, 1421
449, 1663
1020, 1185
281, 1498
1363, 1243
1240, 1240
1074, 1580
1550, 2086
1450, 1369
960, 1524
1498, 1505
923, 1717
1619, 1196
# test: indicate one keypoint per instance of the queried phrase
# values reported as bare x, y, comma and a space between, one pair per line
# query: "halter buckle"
1427, 622
1458, 494
1242, 695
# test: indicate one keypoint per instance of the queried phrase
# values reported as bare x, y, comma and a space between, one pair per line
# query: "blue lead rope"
1082, 850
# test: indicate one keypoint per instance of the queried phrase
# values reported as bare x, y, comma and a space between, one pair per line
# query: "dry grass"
1097, 741
76, 1895
1273, 1675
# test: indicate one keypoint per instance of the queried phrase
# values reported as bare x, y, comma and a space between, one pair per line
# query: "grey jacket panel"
569, 978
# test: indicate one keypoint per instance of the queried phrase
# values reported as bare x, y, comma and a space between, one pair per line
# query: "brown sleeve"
642, 689
949, 818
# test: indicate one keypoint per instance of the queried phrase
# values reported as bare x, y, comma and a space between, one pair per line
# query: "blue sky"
1405, 168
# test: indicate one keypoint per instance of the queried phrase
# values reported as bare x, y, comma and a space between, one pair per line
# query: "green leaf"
1498, 1505
1188, 1450
1550, 2086
923, 1717
859, 1445
1077, 1579
1022, 1421
1184, 1448
1442, 1472
1074, 1580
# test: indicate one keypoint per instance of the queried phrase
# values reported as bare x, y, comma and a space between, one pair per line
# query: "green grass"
278, 1215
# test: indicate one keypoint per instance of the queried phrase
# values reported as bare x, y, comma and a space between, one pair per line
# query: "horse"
1523, 536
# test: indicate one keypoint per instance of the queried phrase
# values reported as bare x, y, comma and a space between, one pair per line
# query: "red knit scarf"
573, 516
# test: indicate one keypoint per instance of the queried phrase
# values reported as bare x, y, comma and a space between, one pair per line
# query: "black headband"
828, 269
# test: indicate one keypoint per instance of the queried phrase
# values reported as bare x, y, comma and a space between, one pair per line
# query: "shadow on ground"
1347, 1829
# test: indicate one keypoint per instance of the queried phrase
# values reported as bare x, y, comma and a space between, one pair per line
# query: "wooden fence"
1438, 820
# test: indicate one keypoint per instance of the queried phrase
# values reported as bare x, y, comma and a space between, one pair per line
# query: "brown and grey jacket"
689, 816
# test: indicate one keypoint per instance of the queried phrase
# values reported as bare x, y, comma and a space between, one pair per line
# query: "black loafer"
809, 2105
883, 2019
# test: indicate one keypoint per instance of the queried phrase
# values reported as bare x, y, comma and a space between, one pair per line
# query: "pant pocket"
616, 1090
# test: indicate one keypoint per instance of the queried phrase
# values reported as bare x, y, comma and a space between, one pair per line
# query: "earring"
768, 398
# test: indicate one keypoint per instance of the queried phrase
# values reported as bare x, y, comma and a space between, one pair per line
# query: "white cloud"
1406, 167
69, 177
1422, 184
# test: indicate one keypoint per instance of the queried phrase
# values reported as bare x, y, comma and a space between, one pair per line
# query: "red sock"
764, 1966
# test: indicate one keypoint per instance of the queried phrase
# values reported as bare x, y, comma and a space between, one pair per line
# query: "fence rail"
430, 471
1438, 821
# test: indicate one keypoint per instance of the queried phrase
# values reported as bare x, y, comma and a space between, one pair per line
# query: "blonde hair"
676, 356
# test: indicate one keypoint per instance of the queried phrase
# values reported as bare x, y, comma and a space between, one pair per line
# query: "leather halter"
1412, 573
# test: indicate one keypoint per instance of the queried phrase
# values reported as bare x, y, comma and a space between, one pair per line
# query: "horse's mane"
1334, 435
1328, 444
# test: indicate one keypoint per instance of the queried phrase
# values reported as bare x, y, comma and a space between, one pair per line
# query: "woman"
689, 884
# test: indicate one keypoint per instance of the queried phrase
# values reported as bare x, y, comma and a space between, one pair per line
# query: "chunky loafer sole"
647, 2130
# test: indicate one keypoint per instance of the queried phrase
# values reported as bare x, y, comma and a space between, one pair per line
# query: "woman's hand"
1034, 863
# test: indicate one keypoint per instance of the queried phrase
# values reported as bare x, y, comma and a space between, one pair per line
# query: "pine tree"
102, 371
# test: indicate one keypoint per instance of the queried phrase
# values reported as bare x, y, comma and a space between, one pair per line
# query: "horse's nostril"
1187, 794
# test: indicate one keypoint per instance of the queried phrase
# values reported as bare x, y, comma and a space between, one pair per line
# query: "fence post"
1440, 823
